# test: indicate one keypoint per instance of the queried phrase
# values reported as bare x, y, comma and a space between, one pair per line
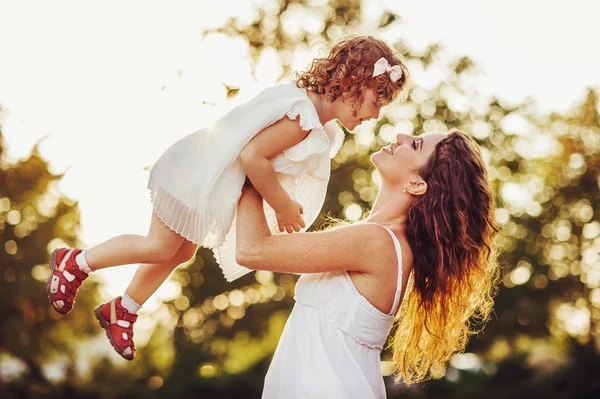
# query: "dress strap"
399, 282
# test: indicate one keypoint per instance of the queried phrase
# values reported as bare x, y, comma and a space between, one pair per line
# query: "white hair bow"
382, 65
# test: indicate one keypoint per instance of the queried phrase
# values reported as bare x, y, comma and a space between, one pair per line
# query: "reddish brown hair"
348, 68
451, 231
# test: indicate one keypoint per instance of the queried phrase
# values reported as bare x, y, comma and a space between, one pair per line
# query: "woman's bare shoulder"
381, 246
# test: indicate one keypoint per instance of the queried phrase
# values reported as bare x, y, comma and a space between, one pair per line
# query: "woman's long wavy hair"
451, 231
348, 68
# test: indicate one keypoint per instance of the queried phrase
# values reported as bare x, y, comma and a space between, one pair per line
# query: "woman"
433, 218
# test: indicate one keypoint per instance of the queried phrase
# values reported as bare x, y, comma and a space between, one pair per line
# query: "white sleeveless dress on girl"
196, 184
331, 344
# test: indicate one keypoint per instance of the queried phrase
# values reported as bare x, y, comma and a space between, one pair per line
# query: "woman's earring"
404, 190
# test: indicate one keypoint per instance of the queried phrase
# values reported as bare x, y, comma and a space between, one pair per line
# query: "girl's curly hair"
348, 69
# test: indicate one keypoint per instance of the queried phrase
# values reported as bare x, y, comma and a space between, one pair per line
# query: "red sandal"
118, 324
64, 280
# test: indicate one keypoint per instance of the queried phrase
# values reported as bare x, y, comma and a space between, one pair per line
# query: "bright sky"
113, 84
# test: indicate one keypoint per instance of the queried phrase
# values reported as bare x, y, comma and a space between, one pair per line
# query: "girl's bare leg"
159, 246
149, 277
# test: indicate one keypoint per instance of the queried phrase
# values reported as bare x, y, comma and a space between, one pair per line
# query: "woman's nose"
401, 138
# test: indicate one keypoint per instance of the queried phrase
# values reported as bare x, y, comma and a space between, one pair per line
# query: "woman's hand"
289, 217
355, 247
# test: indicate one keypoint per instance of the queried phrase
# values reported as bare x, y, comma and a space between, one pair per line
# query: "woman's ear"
416, 186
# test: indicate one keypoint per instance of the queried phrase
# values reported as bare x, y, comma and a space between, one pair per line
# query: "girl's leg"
149, 277
70, 267
118, 316
158, 246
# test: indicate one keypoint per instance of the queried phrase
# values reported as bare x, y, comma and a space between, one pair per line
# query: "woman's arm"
354, 247
255, 158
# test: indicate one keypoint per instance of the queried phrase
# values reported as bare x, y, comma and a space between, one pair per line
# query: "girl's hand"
289, 217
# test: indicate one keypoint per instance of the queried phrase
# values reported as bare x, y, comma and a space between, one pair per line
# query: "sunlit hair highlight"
347, 69
451, 231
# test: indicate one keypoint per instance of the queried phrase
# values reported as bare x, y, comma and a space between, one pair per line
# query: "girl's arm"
354, 247
255, 158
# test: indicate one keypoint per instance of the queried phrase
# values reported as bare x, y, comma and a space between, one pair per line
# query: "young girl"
280, 140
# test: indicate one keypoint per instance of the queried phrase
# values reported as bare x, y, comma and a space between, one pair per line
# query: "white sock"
82, 262
129, 304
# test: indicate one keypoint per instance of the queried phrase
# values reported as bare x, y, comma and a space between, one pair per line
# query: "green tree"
34, 218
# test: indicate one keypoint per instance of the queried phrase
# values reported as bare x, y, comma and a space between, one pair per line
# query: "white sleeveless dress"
196, 184
331, 344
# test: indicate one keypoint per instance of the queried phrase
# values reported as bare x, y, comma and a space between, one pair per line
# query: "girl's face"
400, 161
369, 109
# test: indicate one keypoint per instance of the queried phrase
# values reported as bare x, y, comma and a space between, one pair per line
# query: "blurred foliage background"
216, 339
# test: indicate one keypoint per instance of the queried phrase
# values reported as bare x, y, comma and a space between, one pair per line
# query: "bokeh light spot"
353, 212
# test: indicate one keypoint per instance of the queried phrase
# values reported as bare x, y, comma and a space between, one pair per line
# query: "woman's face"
369, 109
400, 161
